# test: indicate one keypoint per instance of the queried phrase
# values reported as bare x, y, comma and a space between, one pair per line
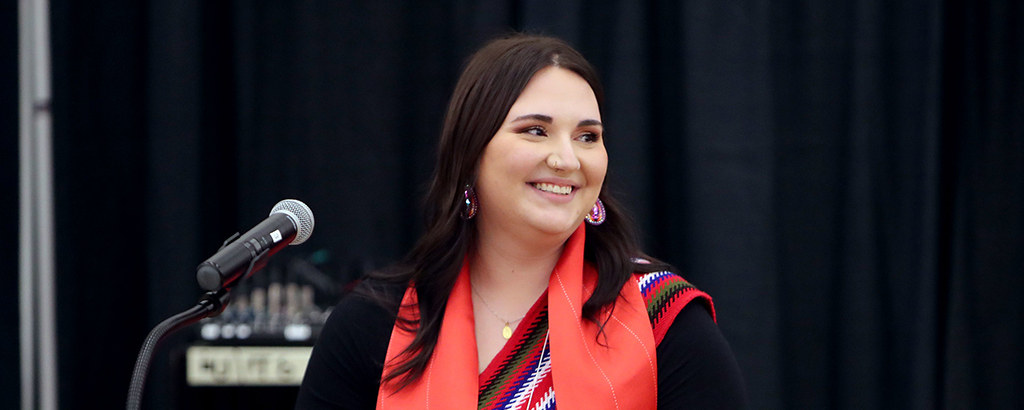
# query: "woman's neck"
513, 271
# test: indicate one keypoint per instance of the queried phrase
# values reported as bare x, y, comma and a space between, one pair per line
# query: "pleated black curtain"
10, 384
845, 180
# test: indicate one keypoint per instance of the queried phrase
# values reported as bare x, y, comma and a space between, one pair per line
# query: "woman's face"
543, 170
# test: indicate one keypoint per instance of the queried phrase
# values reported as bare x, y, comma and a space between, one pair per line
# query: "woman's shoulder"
696, 367
369, 309
666, 294
345, 367
371, 298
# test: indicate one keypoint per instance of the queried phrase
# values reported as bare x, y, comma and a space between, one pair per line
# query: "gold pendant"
506, 332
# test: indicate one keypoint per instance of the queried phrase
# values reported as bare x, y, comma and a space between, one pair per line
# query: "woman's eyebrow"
549, 120
538, 117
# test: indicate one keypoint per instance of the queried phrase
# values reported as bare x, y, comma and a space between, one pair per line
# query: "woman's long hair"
491, 82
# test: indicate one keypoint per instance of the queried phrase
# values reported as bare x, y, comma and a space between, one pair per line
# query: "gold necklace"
506, 331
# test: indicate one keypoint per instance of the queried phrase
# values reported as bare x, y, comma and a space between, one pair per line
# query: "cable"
211, 304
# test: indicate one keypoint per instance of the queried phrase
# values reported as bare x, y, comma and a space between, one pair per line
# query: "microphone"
290, 222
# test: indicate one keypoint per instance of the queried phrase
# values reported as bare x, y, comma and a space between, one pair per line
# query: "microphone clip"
229, 240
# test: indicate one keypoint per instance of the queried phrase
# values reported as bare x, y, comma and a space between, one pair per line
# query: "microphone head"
300, 215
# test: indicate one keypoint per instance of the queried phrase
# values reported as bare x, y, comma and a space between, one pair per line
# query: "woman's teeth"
554, 189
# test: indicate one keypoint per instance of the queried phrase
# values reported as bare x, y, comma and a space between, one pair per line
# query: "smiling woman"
528, 284
544, 168
539, 176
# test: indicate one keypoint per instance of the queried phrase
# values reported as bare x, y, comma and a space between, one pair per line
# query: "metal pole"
36, 256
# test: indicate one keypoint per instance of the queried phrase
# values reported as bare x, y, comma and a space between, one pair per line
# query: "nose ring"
553, 162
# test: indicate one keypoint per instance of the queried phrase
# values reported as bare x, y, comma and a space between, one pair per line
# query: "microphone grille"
303, 218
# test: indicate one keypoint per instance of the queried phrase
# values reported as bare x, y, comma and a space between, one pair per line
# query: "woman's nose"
563, 156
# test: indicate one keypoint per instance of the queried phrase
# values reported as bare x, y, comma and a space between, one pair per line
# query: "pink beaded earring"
597, 215
470, 205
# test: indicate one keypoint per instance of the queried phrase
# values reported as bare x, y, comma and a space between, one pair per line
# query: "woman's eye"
588, 137
538, 131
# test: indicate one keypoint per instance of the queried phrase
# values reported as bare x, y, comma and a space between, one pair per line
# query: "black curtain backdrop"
10, 357
846, 180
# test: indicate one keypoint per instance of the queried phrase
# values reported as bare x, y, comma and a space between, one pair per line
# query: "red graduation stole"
619, 373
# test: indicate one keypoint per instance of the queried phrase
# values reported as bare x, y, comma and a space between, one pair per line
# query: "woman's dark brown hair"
491, 82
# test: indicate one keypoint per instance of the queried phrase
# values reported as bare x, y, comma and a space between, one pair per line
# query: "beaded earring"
471, 204
597, 215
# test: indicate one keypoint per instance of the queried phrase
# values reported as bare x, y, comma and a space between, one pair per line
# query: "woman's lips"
553, 188
553, 192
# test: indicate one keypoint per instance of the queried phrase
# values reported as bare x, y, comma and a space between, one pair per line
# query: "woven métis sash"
552, 350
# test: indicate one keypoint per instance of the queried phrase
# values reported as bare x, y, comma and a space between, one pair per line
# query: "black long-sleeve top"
696, 367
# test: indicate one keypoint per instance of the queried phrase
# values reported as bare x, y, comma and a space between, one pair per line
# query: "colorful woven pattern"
666, 295
522, 369
508, 386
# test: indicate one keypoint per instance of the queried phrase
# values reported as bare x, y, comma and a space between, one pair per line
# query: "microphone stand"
211, 304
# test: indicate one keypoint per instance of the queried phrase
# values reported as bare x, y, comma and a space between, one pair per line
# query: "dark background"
846, 179
10, 370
